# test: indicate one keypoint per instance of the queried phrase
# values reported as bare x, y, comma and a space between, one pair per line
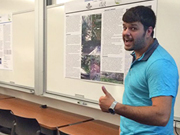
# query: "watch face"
111, 111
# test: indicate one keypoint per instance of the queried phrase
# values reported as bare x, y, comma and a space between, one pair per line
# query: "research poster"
94, 48
6, 57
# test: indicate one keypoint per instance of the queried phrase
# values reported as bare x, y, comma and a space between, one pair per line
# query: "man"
151, 84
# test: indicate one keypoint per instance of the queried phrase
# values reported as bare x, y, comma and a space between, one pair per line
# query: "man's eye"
124, 28
133, 29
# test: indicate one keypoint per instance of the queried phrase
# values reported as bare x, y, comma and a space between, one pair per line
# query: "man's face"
133, 36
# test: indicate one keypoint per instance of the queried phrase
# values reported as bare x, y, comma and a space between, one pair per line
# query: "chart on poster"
6, 56
94, 46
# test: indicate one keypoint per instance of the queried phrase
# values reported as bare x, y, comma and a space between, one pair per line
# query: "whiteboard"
167, 33
23, 51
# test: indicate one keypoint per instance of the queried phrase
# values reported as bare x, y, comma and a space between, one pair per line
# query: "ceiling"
11, 6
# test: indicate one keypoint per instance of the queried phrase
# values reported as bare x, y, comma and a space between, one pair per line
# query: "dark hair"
142, 14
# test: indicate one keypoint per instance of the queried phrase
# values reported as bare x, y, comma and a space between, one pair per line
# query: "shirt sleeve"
162, 78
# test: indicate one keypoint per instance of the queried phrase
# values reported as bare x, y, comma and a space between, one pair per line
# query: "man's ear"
149, 31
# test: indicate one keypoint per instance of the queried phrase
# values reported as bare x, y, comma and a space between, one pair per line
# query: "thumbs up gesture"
106, 100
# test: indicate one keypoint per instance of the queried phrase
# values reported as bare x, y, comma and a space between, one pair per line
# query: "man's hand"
105, 101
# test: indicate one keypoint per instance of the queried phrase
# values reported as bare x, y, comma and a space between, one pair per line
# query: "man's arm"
158, 114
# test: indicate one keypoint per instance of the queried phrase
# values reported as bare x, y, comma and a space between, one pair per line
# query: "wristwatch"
111, 108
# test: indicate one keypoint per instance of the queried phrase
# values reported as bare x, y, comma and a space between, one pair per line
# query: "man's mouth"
128, 40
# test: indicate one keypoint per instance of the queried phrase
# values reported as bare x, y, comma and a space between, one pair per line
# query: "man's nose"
126, 32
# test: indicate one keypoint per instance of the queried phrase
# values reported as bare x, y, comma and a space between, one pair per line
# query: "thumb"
105, 91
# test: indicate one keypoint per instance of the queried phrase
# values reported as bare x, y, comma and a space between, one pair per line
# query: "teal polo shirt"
154, 74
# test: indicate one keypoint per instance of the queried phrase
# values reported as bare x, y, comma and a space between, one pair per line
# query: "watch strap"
113, 104
111, 108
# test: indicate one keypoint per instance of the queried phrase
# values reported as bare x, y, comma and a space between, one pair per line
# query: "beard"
138, 43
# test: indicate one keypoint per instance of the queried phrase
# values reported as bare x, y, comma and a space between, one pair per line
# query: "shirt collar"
148, 53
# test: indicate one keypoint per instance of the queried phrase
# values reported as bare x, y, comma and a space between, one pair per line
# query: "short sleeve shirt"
154, 74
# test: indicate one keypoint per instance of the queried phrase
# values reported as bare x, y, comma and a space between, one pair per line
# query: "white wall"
11, 6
